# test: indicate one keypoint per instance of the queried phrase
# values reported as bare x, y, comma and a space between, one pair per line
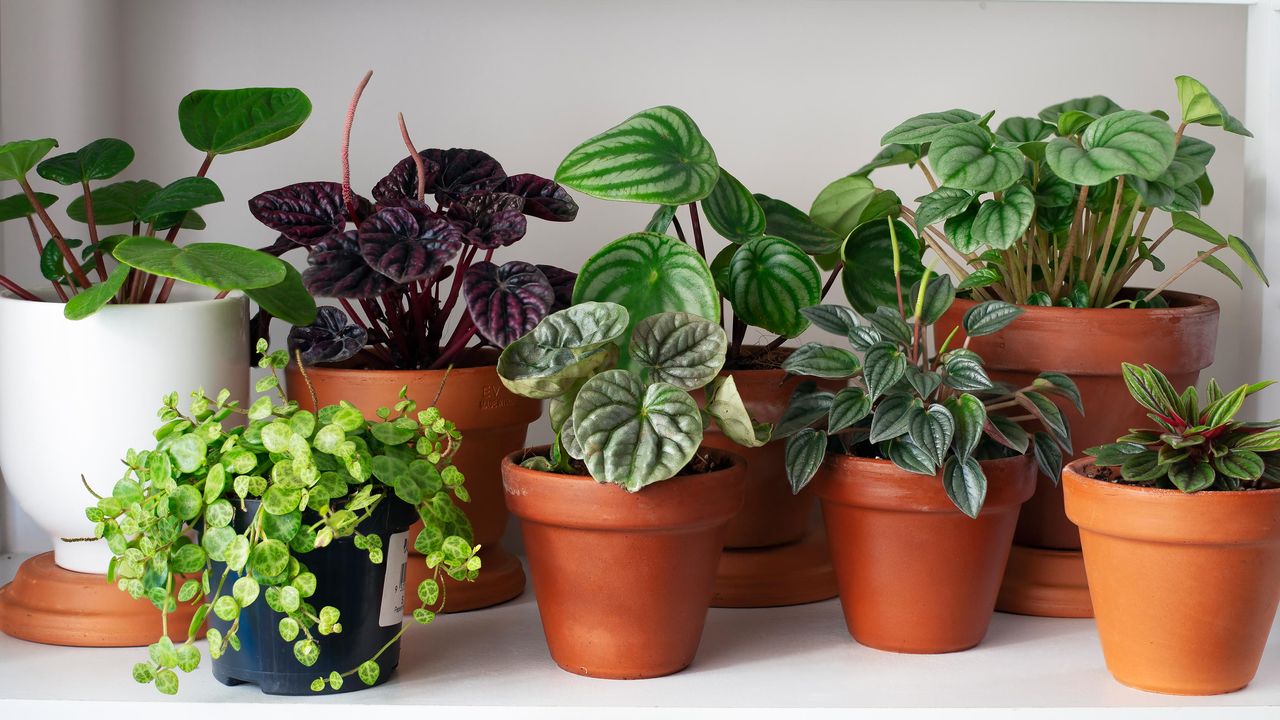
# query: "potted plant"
925, 471
1056, 213
766, 272
302, 522
1186, 508
416, 287
624, 516
109, 299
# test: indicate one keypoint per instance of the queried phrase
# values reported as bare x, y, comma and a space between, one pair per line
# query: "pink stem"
347, 196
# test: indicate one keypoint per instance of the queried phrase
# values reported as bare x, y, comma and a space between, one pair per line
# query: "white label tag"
395, 557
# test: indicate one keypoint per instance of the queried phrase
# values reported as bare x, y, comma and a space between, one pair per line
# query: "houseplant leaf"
1128, 142
965, 484
679, 349
1097, 105
1201, 107
215, 265
18, 157
407, 244
180, 196
226, 121
563, 348
116, 203
287, 299
803, 456
18, 206
791, 223
999, 223
304, 211
967, 157
838, 206
733, 211
91, 300
337, 269
820, 360
506, 301
770, 280
655, 156
726, 409
869, 251
543, 198
925, 128
941, 204
99, 160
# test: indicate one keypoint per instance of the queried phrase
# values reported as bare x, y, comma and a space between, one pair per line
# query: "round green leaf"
838, 207
770, 280
269, 558
180, 196
220, 266
116, 203
678, 348
99, 160
1200, 106
868, 277
925, 128
18, 157
632, 435
1024, 129
90, 301
1097, 105
287, 299
733, 211
655, 156
999, 223
1128, 142
967, 157
564, 348
226, 121
18, 206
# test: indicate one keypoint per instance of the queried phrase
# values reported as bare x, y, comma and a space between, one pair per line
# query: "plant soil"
703, 462
1111, 475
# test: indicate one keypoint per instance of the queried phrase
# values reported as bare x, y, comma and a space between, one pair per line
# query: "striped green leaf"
647, 273
967, 157
787, 221
732, 210
770, 280
868, 278
1127, 142
655, 156
1001, 222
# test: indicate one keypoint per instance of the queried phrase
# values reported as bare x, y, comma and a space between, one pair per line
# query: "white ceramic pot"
76, 395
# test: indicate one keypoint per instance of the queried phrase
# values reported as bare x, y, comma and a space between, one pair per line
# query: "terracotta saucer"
50, 605
501, 579
1045, 583
791, 574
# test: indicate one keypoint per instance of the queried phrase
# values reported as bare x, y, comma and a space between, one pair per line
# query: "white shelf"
493, 663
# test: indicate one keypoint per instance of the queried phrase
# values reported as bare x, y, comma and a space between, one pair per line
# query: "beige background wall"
792, 94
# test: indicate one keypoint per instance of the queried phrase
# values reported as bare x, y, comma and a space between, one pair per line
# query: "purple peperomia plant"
398, 265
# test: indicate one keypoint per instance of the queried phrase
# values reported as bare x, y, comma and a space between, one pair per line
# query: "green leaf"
836, 319
806, 405
269, 558
838, 207
1048, 456
1060, 384
1074, 122
167, 682
306, 652
770, 280
868, 258
967, 157
1192, 475
661, 219
791, 223
116, 203
52, 264
18, 206
1127, 142
180, 196
883, 366
632, 435
680, 349
220, 266
889, 155
980, 278
939, 294
803, 456
99, 160
999, 223
245, 591
925, 128
188, 452
1024, 129
563, 349
655, 156
368, 672
732, 211
892, 417
1048, 414
18, 157
849, 406
1242, 249
287, 299
818, 360
647, 274
226, 121
989, 317
965, 484
970, 417
1190, 160
1097, 105
1240, 464
932, 431
90, 301
941, 204
909, 456
726, 408
1201, 107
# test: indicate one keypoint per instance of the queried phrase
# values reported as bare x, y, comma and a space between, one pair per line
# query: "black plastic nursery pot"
369, 597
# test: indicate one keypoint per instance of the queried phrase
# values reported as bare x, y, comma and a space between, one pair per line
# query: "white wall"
792, 94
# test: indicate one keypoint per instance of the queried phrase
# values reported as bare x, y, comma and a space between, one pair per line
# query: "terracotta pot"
1184, 586
916, 575
1089, 345
623, 580
771, 514
493, 422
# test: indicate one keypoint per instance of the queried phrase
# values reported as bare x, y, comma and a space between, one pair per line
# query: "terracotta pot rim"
883, 485
1187, 304
334, 371
736, 462
1075, 470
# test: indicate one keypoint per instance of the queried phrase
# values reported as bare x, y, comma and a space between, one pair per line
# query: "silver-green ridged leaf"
1097, 105
733, 211
563, 349
818, 360
632, 435
965, 484
770, 280
967, 157
729, 413
803, 456
848, 407
925, 128
999, 223
678, 348
1128, 142
932, 431
655, 156
941, 204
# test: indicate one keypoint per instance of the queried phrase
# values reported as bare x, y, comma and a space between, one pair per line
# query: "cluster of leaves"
314, 479
767, 272
631, 428
1054, 209
1193, 448
393, 255
922, 411
127, 265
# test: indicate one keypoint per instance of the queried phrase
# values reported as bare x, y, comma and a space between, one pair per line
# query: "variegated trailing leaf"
680, 349
655, 156
965, 484
408, 244
818, 360
967, 157
807, 405
770, 280
1001, 222
893, 416
647, 274
729, 413
632, 435
932, 431
562, 350
868, 254
803, 456
849, 406
883, 366
506, 301
836, 319
789, 222
543, 198
733, 211
1128, 142
925, 128
941, 204
337, 269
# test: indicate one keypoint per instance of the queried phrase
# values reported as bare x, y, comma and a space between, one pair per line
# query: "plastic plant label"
397, 555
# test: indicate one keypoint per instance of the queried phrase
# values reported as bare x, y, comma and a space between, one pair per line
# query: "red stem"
461, 336
831, 281
675, 221
417, 159
35, 235
93, 231
697, 229
76, 271
347, 196
468, 256
17, 289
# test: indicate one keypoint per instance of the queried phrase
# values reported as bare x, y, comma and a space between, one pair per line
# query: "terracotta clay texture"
623, 580
48, 604
493, 422
1184, 586
916, 575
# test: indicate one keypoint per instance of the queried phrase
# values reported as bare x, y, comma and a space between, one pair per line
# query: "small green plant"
923, 411
631, 428
141, 261
1057, 209
317, 477
1193, 448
